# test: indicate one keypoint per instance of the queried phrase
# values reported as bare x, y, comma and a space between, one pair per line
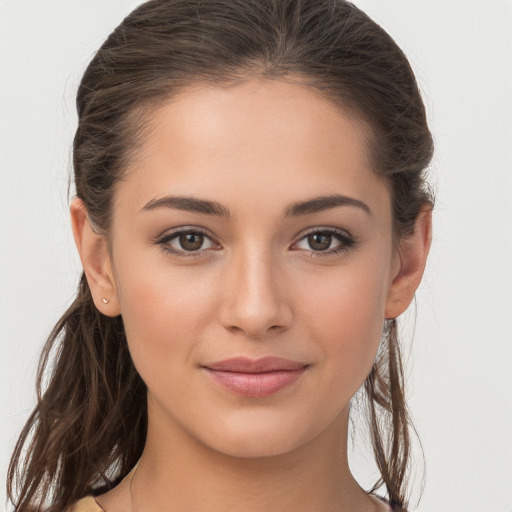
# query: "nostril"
255, 307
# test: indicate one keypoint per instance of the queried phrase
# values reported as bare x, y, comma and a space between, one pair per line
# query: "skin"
256, 289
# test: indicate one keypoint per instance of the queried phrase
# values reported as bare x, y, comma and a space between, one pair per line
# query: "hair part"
89, 426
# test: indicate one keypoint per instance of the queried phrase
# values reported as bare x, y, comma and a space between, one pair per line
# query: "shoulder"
87, 504
384, 505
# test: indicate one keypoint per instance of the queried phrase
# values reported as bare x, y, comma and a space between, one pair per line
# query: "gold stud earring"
104, 300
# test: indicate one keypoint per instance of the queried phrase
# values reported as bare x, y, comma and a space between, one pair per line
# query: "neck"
181, 474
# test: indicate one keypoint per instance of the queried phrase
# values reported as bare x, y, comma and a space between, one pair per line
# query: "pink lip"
255, 378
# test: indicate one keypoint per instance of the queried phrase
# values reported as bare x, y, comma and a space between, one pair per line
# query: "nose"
255, 296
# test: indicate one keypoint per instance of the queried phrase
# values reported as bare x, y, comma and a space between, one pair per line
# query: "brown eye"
191, 241
319, 241
186, 243
326, 242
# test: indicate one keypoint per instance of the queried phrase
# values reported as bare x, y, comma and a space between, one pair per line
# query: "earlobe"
95, 258
412, 256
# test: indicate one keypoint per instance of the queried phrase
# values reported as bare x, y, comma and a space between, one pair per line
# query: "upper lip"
247, 365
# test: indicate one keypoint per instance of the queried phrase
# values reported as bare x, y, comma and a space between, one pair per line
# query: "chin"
252, 447
260, 438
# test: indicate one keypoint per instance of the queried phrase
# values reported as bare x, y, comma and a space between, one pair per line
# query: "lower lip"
256, 385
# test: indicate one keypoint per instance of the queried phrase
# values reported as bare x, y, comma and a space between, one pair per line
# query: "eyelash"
346, 242
164, 240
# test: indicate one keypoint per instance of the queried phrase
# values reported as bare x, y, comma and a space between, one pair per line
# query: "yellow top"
87, 504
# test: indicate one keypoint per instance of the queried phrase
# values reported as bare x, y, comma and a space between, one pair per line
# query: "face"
252, 256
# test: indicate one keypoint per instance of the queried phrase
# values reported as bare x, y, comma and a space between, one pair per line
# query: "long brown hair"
89, 426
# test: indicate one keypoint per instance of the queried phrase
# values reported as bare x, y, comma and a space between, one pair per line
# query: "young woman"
252, 217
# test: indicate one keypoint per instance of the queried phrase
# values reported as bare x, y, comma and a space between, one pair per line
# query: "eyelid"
344, 237
323, 229
171, 234
178, 230
347, 241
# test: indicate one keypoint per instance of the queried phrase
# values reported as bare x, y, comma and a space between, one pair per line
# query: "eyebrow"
322, 203
189, 204
308, 207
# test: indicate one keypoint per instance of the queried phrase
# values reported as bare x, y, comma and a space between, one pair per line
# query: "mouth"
255, 378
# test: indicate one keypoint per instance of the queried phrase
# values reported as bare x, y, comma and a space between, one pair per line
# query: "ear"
411, 260
92, 248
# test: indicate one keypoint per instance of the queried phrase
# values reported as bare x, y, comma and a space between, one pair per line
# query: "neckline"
98, 505
377, 499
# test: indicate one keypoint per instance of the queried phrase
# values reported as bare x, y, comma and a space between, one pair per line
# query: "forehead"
274, 141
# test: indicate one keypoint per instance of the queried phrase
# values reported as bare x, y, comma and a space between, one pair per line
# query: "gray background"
460, 360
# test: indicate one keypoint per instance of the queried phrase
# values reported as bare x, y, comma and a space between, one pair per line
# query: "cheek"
163, 314
346, 317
